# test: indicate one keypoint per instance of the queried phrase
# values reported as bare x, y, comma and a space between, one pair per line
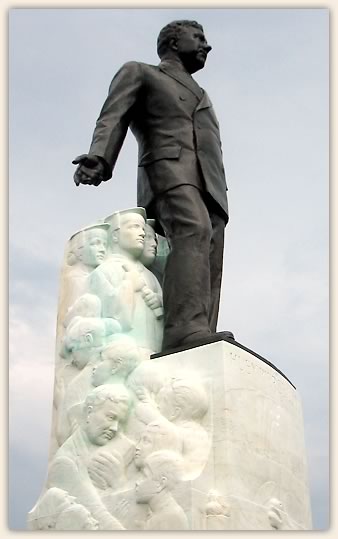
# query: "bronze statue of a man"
181, 179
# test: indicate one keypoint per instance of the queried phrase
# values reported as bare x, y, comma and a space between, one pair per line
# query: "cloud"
31, 379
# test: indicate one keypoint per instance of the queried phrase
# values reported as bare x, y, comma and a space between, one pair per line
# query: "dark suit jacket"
175, 126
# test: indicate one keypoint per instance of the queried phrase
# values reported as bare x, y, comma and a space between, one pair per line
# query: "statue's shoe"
195, 340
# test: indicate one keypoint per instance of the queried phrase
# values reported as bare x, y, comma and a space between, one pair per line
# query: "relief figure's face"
95, 248
165, 400
85, 520
131, 233
103, 421
144, 447
146, 488
102, 371
80, 358
150, 246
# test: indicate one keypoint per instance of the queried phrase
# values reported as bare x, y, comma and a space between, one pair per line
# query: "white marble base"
214, 441
255, 477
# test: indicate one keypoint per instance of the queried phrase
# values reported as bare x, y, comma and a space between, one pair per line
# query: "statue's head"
183, 398
118, 359
83, 339
76, 517
88, 246
150, 244
159, 434
127, 231
106, 408
162, 471
186, 40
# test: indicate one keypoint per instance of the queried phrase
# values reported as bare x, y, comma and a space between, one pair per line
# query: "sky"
268, 79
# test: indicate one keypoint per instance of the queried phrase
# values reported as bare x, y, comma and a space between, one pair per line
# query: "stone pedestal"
255, 477
209, 438
246, 465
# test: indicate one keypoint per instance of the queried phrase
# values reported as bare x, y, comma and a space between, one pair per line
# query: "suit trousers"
194, 228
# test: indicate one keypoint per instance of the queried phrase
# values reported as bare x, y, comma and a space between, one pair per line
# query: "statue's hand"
106, 470
151, 299
134, 276
90, 170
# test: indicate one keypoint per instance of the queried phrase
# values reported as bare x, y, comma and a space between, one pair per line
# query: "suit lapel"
183, 78
205, 102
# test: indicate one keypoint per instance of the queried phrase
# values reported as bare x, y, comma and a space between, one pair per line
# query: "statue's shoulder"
133, 65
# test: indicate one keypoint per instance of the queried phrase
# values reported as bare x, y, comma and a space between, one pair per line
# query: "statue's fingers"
79, 159
97, 181
100, 461
76, 179
95, 477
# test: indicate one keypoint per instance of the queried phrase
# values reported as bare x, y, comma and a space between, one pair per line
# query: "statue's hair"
173, 30
190, 396
50, 505
116, 393
72, 518
124, 351
164, 435
87, 305
165, 463
79, 239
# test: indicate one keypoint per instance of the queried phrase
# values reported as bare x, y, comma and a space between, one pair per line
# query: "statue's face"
80, 358
165, 400
192, 48
76, 518
84, 519
144, 447
103, 421
46, 523
147, 488
103, 371
132, 233
150, 246
95, 248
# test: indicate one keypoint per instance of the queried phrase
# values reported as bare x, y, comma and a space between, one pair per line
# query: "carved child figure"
162, 471
87, 249
183, 402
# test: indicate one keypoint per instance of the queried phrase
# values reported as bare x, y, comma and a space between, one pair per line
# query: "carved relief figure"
96, 454
109, 364
56, 510
155, 251
217, 511
157, 435
44, 514
84, 337
81, 345
162, 471
147, 379
118, 360
86, 306
87, 249
149, 252
76, 518
129, 292
184, 403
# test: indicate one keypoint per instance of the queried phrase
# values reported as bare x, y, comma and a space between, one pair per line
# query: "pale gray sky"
267, 77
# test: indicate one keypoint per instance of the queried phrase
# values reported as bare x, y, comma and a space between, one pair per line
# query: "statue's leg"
185, 219
216, 266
